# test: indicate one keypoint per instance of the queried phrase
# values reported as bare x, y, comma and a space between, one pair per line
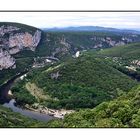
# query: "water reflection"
28, 113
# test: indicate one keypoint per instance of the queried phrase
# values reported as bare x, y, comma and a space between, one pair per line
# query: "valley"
77, 78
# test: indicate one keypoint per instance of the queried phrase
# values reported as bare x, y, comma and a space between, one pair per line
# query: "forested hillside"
122, 112
83, 82
124, 58
61, 44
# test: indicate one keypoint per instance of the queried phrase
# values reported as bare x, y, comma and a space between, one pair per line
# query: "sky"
129, 20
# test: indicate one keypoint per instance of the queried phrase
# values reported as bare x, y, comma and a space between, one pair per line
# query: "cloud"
63, 19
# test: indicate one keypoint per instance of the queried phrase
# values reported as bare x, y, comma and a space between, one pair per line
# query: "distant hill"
92, 29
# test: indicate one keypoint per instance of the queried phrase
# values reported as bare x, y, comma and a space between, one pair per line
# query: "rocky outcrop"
63, 42
36, 38
136, 62
45, 110
25, 40
7, 29
14, 50
55, 75
6, 60
110, 42
14, 40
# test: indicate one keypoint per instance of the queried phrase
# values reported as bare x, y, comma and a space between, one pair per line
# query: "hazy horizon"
120, 20
89, 26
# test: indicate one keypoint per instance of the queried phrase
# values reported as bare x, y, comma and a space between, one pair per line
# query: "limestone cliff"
6, 60
13, 40
25, 40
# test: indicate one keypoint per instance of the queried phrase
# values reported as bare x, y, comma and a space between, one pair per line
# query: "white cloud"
62, 19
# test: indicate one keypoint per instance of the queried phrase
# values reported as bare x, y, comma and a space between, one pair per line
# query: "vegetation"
121, 112
10, 119
51, 45
62, 44
24, 59
22, 64
127, 51
95, 84
22, 95
79, 83
124, 58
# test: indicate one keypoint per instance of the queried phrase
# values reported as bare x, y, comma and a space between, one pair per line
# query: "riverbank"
51, 112
35, 111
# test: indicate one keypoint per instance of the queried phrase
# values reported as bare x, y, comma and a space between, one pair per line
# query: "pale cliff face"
21, 40
36, 38
7, 29
12, 41
26, 40
6, 60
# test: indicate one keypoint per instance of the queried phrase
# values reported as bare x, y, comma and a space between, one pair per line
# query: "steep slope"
21, 44
78, 83
16, 38
61, 44
121, 112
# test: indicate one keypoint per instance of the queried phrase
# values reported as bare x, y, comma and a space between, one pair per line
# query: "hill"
83, 82
62, 44
91, 29
125, 58
122, 112
130, 51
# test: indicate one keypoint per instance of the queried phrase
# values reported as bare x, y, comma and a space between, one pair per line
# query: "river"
10, 103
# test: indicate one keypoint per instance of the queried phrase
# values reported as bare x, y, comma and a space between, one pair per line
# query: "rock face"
14, 40
110, 42
7, 29
6, 60
26, 40
65, 43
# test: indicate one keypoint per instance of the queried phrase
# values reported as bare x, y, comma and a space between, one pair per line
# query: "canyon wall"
14, 40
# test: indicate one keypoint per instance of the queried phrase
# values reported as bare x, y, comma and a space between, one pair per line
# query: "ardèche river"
10, 103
